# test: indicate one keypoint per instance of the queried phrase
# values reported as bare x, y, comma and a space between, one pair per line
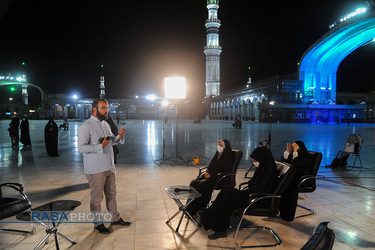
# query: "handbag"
323, 238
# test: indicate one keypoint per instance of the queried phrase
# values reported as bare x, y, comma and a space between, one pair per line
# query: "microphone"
177, 190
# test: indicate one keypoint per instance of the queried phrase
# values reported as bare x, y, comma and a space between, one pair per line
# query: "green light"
248, 67
298, 64
102, 66
12, 89
23, 63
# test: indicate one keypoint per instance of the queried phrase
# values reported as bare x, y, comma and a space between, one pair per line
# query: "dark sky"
141, 41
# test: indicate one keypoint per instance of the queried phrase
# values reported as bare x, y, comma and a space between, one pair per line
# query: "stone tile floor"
345, 198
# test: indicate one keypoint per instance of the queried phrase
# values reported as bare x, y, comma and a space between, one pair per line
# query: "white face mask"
256, 164
219, 149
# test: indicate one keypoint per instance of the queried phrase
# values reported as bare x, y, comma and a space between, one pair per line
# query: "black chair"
353, 146
226, 180
257, 207
12, 206
308, 182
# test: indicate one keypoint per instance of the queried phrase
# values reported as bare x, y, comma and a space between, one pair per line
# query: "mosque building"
306, 96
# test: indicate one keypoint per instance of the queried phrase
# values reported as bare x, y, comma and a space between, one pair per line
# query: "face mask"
219, 149
256, 164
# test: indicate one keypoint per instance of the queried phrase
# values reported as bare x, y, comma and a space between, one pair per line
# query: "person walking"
95, 141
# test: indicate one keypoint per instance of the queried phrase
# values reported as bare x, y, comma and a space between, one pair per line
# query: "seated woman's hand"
207, 175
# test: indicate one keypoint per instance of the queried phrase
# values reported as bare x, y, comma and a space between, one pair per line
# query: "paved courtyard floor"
345, 198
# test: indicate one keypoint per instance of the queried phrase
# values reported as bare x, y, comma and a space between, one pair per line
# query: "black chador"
25, 133
51, 132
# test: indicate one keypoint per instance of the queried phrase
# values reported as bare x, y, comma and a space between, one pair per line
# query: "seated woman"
300, 158
221, 163
264, 180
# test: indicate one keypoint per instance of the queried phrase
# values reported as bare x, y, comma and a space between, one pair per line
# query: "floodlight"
175, 87
151, 97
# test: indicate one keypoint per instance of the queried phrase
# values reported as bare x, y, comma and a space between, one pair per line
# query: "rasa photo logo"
71, 217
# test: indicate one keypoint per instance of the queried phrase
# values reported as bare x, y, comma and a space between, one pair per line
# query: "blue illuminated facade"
318, 66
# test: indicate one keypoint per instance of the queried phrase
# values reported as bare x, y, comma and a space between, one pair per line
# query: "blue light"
320, 63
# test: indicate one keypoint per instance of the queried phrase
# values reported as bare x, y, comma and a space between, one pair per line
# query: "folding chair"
353, 146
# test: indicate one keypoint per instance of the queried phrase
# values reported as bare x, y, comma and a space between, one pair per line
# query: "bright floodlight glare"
175, 87
75, 96
165, 102
151, 97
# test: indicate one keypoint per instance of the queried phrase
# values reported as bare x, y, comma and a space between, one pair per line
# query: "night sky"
140, 42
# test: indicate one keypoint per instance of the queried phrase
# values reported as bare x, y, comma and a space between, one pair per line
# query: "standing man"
95, 141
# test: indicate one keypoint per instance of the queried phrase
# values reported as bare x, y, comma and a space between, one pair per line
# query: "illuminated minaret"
102, 86
212, 50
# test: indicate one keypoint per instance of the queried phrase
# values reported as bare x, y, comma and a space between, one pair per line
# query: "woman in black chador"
13, 131
297, 155
264, 180
25, 134
221, 163
51, 132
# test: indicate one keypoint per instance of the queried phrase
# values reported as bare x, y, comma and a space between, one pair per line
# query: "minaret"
102, 86
212, 50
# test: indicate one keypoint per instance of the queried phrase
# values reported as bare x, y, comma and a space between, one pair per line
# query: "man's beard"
101, 116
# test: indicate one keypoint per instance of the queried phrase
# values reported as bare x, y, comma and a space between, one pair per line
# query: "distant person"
13, 131
65, 125
95, 141
264, 180
222, 162
237, 122
297, 155
51, 134
114, 130
25, 133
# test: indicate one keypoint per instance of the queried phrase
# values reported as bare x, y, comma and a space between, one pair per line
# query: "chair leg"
272, 233
355, 160
306, 208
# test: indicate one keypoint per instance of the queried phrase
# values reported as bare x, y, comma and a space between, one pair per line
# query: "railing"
212, 47
213, 20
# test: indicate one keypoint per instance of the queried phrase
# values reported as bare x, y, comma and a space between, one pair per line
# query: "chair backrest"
13, 206
285, 176
309, 185
270, 207
230, 181
355, 139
